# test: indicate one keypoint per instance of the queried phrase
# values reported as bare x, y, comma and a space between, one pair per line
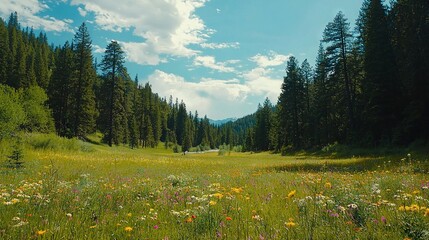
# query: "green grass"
122, 193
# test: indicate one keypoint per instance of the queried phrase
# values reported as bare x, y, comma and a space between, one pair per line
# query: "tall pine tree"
82, 96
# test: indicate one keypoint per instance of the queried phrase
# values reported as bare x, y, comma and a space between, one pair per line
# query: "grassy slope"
94, 192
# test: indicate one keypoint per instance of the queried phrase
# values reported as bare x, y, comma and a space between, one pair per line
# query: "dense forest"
46, 88
369, 87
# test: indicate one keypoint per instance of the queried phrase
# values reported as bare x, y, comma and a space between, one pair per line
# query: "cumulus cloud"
220, 45
261, 82
270, 60
166, 27
213, 97
28, 11
210, 62
216, 97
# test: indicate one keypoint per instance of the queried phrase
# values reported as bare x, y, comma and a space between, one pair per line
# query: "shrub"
11, 112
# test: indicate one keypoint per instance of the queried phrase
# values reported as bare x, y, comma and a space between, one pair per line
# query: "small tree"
15, 160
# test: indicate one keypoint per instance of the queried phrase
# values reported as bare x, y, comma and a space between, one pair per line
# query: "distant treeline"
369, 87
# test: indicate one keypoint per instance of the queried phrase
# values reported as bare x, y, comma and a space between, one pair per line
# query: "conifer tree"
82, 96
380, 86
59, 90
4, 52
263, 126
338, 38
410, 40
114, 111
291, 106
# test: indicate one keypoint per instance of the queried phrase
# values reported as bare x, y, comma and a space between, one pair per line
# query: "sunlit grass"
122, 193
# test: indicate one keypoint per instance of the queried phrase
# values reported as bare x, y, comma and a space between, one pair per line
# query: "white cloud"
97, 49
261, 82
82, 11
28, 11
142, 53
210, 62
216, 98
219, 98
168, 27
270, 60
220, 45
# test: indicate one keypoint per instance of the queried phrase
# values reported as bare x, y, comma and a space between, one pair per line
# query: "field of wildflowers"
119, 193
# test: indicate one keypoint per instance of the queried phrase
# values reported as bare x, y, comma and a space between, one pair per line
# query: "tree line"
369, 86
63, 89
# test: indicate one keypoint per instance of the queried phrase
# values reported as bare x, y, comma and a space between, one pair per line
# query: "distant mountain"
222, 122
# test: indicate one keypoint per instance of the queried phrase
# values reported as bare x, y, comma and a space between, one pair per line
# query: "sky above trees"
221, 57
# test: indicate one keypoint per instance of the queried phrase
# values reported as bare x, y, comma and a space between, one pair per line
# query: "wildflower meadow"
119, 193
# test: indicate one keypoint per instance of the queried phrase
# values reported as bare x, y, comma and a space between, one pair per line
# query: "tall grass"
122, 193
54, 143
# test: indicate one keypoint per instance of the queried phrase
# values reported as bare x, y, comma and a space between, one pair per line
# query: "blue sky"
222, 57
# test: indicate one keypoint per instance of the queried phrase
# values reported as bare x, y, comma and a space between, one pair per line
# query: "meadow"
76, 190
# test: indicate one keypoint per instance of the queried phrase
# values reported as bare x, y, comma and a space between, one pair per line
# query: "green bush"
38, 115
11, 112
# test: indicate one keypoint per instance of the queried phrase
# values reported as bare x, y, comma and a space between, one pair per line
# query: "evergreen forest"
369, 87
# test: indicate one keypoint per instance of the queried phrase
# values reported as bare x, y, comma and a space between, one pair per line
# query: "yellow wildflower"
291, 194
416, 192
41, 232
237, 190
129, 214
218, 195
212, 203
290, 224
15, 200
128, 229
328, 185
414, 208
94, 226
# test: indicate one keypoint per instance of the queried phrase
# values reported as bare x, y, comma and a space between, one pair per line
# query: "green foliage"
291, 107
15, 159
12, 114
51, 142
38, 115
263, 127
83, 113
58, 91
113, 108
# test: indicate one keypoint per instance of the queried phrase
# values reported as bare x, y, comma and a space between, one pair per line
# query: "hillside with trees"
62, 89
369, 87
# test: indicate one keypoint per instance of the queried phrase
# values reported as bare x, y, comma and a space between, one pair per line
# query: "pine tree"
322, 101
114, 110
263, 126
380, 86
4, 52
42, 61
13, 28
410, 22
59, 90
338, 38
133, 115
181, 122
291, 105
82, 96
